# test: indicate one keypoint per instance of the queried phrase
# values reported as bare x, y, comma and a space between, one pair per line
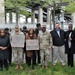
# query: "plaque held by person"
32, 45
18, 40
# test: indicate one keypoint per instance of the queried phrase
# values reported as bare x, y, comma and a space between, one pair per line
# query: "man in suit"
37, 31
70, 45
58, 45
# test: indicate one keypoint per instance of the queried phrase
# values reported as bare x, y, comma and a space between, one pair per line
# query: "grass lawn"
56, 70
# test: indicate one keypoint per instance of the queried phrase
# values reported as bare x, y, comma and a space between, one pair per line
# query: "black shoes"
6, 68
1, 69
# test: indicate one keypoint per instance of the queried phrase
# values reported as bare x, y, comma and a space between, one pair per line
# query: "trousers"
59, 53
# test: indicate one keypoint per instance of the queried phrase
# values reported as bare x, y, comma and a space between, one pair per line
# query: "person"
70, 45
10, 48
4, 52
24, 49
58, 45
37, 31
31, 55
25, 30
17, 52
45, 41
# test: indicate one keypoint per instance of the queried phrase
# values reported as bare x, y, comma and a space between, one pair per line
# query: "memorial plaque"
18, 41
32, 45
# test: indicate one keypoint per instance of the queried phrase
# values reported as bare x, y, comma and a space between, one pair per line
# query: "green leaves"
15, 5
20, 4
71, 7
8, 4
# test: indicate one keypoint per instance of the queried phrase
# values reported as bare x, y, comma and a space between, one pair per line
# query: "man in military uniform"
17, 51
45, 41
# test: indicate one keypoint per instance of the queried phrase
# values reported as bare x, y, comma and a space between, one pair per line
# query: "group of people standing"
63, 43
59, 41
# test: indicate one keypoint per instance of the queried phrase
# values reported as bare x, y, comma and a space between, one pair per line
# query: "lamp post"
62, 18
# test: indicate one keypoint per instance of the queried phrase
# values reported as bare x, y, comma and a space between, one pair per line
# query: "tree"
68, 9
17, 6
71, 8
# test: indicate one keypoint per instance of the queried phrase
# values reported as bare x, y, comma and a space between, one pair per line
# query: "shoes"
1, 69
17, 67
39, 64
46, 67
43, 67
6, 68
53, 64
63, 64
21, 67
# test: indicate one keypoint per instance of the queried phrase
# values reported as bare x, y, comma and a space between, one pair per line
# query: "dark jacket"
37, 31
72, 49
24, 49
9, 48
58, 41
4, 42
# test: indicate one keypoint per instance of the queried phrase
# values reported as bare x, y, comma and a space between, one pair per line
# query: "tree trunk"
5, 18
16, 18
10, 17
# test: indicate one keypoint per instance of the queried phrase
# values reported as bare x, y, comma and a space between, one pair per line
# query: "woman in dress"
70, 45
4, 52
31, 54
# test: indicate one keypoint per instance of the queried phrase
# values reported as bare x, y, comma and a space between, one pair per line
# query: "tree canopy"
20, 5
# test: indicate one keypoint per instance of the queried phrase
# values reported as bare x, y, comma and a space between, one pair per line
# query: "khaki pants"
45, 57
17, 55
58, 53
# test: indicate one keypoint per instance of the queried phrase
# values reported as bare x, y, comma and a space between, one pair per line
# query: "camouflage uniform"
45, 41
17, 52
